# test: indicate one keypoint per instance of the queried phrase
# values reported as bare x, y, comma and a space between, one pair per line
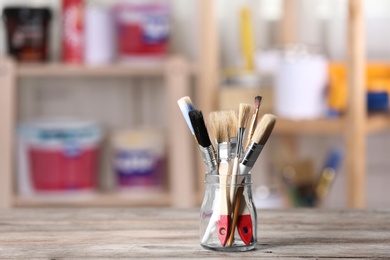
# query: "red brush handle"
244, 227
223, 228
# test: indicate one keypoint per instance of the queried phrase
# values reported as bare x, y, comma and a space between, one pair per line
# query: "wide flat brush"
219, 122
243, 116
259, 139
254, 118
205, 146
186, 106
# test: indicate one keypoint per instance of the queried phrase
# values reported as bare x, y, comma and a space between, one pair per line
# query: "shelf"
375, 123
110, 70
119, 199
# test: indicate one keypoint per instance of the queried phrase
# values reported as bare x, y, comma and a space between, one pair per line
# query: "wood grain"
356, 112
173, 233
7, 113
110, 70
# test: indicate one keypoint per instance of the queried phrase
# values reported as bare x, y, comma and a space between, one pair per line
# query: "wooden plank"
110, 70
288, 25
377, 123
180, 141
206, 92
7, 114
140, 198
317, 126
174, 234
356, 112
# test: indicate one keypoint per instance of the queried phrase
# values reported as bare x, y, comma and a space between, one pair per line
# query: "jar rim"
242, 179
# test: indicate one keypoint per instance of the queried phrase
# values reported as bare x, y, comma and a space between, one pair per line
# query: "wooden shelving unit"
355, 125
175, 72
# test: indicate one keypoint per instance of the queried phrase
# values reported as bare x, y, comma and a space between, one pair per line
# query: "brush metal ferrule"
250, 156
240, 138
209, 159
233, 146
224, 152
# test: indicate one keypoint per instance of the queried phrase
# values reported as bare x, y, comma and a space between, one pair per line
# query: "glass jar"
215, 234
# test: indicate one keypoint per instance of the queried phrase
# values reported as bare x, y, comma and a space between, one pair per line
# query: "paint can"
139, 158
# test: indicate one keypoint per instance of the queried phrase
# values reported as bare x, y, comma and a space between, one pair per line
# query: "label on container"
138, 168
142, 30
73, 30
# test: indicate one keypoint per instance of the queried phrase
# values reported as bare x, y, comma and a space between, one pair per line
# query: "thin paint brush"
254, 118
186, 106
205, 146
260, 137
243, 117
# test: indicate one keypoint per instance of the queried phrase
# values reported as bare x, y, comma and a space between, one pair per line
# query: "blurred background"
89, 88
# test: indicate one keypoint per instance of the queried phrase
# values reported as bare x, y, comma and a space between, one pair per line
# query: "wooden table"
173, 233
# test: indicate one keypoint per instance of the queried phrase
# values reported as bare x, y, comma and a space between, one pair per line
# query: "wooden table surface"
173, 233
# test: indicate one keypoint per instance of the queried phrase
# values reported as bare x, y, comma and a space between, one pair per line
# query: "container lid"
27, 10
59, 129
143, 138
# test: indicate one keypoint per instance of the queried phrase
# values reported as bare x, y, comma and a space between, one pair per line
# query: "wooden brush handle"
234, 179
236, 213
224, 189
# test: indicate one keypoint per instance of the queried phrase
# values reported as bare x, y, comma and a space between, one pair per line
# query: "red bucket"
61, 155
142, 30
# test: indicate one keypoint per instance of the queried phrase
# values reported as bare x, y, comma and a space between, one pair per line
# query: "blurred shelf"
375, 123
109, 70
119, 199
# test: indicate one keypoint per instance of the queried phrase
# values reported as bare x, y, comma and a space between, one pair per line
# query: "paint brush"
241, 215
205, 146
259, 139
186, 106
253, 121
243, 116
220, 123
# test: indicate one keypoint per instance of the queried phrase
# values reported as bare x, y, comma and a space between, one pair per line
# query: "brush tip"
264, 129
257, 102
185, 102
220, 123
186, 105
200, 129
244, 114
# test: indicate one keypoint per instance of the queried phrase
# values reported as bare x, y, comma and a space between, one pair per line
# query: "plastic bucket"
61, 154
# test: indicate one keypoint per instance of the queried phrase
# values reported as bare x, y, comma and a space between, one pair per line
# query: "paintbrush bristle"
186, 106
264, 129
257, 102
243, 114
232, 123
200, 129
219, 124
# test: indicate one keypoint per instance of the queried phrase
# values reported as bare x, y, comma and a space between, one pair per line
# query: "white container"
99, 35
139, 158
300, 87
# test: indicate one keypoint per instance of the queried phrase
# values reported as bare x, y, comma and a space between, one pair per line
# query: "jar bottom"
233, 248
